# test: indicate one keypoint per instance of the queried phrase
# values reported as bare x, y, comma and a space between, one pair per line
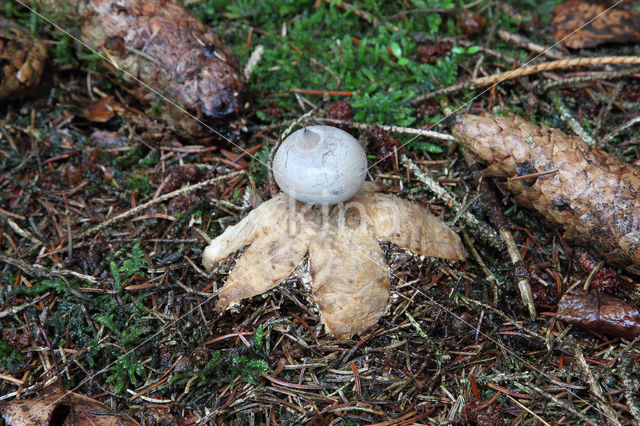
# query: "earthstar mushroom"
320, 165
336, 222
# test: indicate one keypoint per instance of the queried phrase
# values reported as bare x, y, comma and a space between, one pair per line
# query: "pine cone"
593, 195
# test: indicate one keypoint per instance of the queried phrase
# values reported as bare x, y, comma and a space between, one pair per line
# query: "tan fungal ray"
280, 241
237, 236
407, 224
350, 278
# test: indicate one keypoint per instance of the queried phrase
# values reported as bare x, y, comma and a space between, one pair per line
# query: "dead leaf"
470, 23
600, 313
100, 111
608, 26
590, 193
61, 407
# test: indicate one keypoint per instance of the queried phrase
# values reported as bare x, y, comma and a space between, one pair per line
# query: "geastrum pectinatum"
327, 210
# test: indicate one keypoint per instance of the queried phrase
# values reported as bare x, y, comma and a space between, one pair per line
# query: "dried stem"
160, 199
395, 129
596, 390
481, 229
529, 70
571, 121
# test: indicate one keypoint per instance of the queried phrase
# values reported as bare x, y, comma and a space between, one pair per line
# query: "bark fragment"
593, 195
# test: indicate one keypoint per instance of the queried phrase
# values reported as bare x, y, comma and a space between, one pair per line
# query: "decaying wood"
588, 24
22, 60
161, 44
350, 279
601, 313
593, 195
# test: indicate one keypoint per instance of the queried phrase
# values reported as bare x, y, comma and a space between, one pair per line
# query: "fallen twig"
481, 229
596, 390
554, 65
529, 70
395, 129
160, 199
489, 276
562, 404
498, 219
620, 128
15, 309
23, 232
576, 79
524, 42
524, 287
571, 121
41, 271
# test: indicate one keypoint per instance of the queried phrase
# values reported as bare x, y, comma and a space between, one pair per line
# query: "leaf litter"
152, 344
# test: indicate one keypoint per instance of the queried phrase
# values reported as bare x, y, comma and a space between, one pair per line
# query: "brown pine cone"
593, 195
22, 60
163, 45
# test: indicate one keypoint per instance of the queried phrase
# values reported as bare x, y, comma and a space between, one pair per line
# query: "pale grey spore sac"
320, 165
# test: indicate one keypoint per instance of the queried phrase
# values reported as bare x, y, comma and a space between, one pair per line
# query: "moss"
328, 48
139, 182
37, 288
10, 357
125, 370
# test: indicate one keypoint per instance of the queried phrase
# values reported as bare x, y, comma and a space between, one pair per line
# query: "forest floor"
123, 312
